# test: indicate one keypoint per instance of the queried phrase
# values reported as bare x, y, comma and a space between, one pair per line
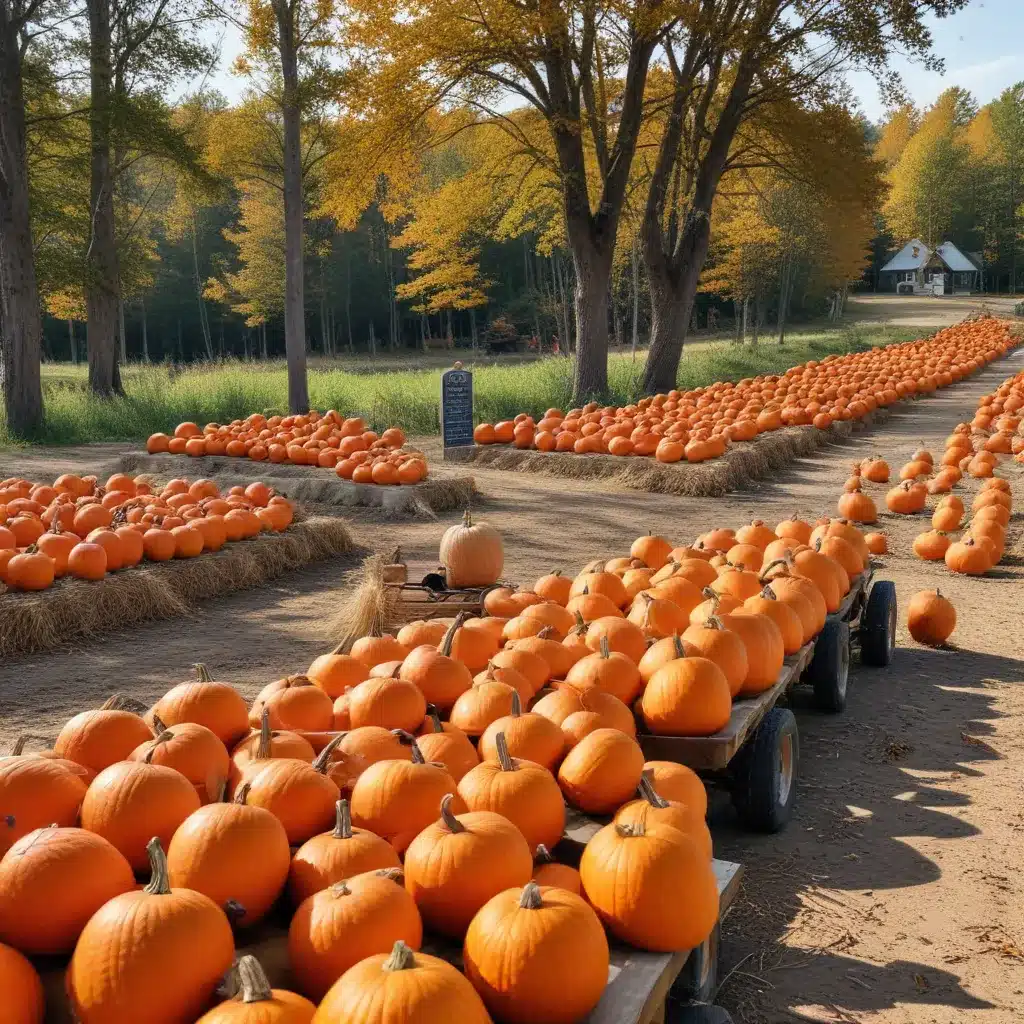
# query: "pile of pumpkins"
79, 528
342, 801
700, 424
982, 543
346, 445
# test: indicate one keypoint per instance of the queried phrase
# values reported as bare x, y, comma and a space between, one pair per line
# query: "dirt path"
895, 895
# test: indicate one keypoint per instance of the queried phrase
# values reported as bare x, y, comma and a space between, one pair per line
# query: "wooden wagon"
757, 754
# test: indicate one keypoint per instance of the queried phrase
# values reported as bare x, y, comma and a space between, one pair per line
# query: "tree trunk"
783, 300
592, 262
21, 324
263, 340
73, 341
472, 327
102, 284
294, 297
197, 283
634, 260
122, 340
348, 300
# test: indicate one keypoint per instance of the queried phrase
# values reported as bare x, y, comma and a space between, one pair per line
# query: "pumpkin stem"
19, 745
445, 647
396, 875
234, 912
605, 648
340, 889
517, 704
323, 759
159, 883
581, 625
650, 794
768, 594
467, 518
530, 898
202, 673
242, 793
504, 757
254, 985
417, 754
162, 737
450, 821
713, 622
710, 594
401, 958
343, 821
435, 717
677, 643
546, 633
542, 855
159, 725
264, 747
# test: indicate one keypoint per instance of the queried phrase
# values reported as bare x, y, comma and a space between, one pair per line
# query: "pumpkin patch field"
730, 433
78, 556
407, 787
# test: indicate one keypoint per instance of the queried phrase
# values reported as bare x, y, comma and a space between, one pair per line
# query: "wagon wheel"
698, 980
702, 1015
829, 670
877, 630
764, 772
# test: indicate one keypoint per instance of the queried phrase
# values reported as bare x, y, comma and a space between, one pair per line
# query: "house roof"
915, 254
955, 259
912, 256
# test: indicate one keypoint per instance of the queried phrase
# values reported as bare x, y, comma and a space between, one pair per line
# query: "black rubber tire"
698, 980
877, 630
701, 1015
829, 670
763, 778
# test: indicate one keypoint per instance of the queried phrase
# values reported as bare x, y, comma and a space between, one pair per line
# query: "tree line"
559, 160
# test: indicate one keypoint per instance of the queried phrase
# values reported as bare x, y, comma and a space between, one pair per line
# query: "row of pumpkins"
369, 842
346, 445
76, 527
674, 633
700, 424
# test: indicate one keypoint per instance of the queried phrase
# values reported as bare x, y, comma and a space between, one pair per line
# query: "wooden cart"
757, 754
428, 595
642, 984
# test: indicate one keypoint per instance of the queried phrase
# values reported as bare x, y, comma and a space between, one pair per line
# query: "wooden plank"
860, 586
713, 753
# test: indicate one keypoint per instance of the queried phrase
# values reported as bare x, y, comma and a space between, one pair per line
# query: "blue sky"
983, 47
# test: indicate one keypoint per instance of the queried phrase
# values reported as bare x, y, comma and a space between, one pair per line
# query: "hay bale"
742, 465
73, 609
439, 493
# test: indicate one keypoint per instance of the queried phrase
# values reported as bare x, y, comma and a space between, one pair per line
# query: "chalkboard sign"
456, 407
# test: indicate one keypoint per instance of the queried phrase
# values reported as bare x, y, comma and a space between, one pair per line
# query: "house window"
908, 275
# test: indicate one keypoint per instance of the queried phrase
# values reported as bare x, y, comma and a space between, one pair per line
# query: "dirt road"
895, 895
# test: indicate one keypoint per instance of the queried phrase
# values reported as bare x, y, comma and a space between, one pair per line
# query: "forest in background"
395, 176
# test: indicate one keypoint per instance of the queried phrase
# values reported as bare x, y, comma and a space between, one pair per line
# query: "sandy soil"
895, 894
925, 311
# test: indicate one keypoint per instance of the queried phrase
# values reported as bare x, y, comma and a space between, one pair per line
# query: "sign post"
456, 408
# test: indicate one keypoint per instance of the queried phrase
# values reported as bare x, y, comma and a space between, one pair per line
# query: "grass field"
386, 395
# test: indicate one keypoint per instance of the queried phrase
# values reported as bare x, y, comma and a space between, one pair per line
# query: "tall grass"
157, 401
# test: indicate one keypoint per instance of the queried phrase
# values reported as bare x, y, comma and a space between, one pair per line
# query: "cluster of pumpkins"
79, 528
329, 440
339, 800
700, 424
982, 543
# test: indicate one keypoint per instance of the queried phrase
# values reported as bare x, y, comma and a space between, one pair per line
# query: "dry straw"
369, 607
73, 609
741, 465
438, 494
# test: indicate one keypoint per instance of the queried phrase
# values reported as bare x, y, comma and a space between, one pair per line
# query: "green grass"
407, 398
